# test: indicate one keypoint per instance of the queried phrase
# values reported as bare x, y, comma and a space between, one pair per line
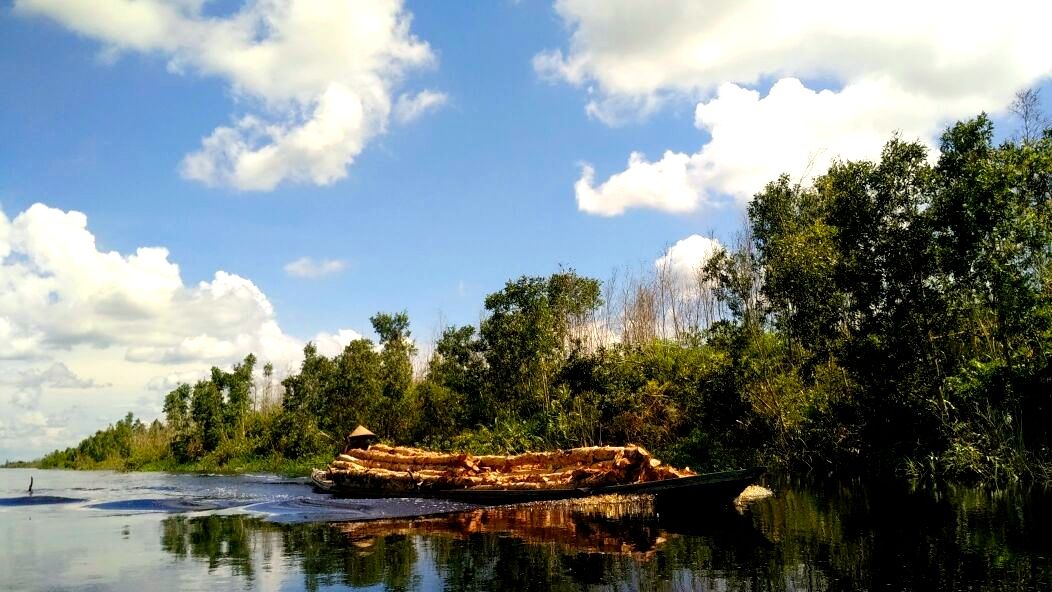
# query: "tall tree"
177, 409
239, 385
527, 334
458, 364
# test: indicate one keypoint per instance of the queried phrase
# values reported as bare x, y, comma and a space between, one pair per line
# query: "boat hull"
720, 486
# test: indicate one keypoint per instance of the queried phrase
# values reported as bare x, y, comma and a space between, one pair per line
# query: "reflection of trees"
884, 536
322, 553
833, 537
219, 540
327, 558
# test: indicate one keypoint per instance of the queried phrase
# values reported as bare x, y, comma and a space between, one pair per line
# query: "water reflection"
625, 526
838, 537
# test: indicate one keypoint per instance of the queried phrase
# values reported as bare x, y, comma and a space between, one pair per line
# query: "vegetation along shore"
891, 316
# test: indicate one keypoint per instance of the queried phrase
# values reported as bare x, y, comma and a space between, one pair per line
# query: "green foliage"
121, 445
438, 413
527, 336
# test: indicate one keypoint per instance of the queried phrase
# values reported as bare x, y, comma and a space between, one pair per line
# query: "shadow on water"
840, 536
170, 505
38, 500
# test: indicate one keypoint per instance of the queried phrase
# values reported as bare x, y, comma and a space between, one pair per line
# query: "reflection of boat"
619, 527
387, 471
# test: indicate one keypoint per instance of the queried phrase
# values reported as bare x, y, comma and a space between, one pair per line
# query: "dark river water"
152, 531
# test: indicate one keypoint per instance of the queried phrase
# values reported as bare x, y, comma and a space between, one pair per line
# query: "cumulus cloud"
167, 382
198, 347
306, 267
57, 375
61, 291
331, 344
667, 184
317, 76
898, 66
685, 258
754, 139
130, 318
37, 427
26, 386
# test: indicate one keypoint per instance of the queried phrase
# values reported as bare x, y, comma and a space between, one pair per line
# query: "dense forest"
890, 316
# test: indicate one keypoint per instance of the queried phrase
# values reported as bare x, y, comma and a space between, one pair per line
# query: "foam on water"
314, 509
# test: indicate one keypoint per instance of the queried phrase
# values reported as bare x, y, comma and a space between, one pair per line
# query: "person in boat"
359, 439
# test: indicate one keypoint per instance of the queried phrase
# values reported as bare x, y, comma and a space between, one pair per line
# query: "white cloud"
57, 291
26, 386
793, 130
33, 425
306, 267
317, 75
409, 108
198, 347
57, 375
898, 66
685, 259
167, 382
330, 344
62, 291
129, 318
664, 185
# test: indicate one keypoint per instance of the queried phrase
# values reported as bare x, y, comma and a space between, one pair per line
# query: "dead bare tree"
1032, 121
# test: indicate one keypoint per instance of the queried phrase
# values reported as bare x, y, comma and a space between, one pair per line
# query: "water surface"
148, 531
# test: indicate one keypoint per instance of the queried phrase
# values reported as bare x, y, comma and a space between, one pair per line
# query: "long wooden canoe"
719, 486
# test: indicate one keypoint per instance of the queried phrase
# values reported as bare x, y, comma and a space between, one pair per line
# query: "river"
153, 531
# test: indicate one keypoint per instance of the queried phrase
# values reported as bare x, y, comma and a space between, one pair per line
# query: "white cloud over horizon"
687, 256
84, 325
314, 79
331, 344
894, 67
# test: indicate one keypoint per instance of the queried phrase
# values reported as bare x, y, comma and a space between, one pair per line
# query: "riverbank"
275, 464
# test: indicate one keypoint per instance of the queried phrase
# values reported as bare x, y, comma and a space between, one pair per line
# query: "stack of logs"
403, 468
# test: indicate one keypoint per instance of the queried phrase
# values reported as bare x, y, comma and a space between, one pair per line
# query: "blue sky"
432, 217
585, 134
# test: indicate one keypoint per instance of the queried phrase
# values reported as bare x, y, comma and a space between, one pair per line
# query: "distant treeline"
890, 316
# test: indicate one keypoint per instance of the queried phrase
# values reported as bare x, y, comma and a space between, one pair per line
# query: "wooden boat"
722, 486
385, 471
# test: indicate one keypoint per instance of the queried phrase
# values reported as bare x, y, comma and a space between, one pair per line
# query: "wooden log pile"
401, 468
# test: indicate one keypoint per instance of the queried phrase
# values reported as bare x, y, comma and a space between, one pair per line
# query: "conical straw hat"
361, 431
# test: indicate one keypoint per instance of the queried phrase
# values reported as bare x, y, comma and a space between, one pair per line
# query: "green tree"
177, 409
527, 335
357, 392
206, 409
396, 354
458, 364
799, 258
239, 385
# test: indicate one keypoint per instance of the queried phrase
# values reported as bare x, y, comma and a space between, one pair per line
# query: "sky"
183, 182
